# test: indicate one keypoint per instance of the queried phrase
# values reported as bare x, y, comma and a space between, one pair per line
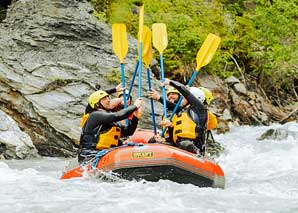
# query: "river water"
261, 176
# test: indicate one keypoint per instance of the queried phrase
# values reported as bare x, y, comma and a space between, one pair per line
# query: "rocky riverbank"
54, 53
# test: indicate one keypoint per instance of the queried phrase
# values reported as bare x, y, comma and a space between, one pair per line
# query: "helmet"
96, 97
208, 94
172, 90
121, 93
199, 94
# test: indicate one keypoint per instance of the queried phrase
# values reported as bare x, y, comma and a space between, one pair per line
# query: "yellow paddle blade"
141, 23
207, 50
120, 43
148, 57
146, 45
159, 36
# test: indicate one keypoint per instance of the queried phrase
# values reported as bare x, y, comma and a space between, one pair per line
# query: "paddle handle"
190, 81
123, 85
151, 102
133, 79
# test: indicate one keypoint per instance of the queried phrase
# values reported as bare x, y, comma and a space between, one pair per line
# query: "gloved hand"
153, 94
138, 113
166, 123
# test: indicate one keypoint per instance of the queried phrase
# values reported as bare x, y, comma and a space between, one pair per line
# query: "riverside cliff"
55, 52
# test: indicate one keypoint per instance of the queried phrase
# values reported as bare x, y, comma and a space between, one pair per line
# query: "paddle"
204, 56
160, 42
133, 79
120, 47
141, 22
147, 57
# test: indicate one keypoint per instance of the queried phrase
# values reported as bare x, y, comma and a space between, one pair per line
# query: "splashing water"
261, 176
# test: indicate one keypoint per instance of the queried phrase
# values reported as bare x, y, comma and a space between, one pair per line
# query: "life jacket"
212, 121
109, 138
84, 119
183, 126
100, 140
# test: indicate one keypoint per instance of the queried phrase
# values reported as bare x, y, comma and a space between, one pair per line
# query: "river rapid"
261, 176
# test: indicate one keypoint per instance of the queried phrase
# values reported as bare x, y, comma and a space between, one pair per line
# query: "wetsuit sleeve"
111, 91
97, 118
131, 128
192, 100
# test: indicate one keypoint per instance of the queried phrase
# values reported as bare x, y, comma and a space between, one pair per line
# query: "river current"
261, 176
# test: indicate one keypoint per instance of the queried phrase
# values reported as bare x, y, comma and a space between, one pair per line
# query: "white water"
261, 176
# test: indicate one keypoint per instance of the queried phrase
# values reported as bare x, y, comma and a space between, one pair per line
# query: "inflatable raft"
153, 162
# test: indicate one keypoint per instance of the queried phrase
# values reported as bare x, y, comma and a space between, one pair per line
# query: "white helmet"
199, 94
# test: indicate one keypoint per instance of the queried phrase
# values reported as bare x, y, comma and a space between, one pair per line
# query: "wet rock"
14, 143
222, 126
244, 111
263, 117
240, 88
211, 82
232, 80
154, 66
274, 112
252, 95
53, 53
214, 148
289, 130
226, 115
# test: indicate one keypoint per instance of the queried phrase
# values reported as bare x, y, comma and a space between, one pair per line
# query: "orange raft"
153, 162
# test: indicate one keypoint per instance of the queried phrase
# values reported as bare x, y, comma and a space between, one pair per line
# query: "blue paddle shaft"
133, 79
123, 85
163, 87
151, 102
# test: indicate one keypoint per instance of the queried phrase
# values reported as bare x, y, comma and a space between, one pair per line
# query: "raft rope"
102, 153
209, 133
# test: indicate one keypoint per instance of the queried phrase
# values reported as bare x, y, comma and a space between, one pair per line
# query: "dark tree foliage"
259, 37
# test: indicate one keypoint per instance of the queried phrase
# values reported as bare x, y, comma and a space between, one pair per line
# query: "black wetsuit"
101, 121
198, 113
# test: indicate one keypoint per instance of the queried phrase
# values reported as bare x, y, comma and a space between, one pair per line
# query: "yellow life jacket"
212, 121
109, 138
183, 127
84, 119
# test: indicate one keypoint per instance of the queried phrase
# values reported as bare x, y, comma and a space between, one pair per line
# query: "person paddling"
103, 129
212, 120
188, 128
115, 102
172, 95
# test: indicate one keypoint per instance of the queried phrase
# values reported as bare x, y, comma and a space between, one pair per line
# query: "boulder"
232, 80
240, 88
288, 130
53, 54
14, 143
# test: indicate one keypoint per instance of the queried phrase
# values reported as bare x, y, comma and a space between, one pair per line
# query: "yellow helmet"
96, 97
208, 94
172, 90
121, 94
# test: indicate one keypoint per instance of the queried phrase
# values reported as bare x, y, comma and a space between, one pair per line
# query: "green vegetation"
259, 37
113, 76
